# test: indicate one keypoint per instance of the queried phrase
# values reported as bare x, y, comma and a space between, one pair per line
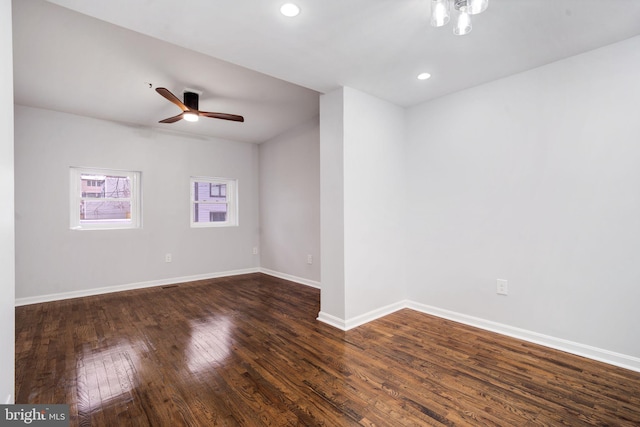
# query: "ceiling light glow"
290, 10
190, 117
440, 12
423, 76
463, 23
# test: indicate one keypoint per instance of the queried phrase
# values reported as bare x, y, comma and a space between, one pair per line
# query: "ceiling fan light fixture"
190, 110
190, 117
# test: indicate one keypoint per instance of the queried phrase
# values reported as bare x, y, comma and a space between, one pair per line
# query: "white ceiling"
70, 62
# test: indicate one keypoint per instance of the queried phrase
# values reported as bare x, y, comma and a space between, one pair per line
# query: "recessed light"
290, 10
423, 76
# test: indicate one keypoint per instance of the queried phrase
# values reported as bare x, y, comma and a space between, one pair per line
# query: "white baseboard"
334, 321
590, 352
601, 355
354, 322
291, 278
130, 286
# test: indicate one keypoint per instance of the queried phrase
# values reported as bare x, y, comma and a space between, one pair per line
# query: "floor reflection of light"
106, 377
110, 376
210, 344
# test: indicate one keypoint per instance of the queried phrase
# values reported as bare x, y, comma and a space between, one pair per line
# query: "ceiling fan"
190, 110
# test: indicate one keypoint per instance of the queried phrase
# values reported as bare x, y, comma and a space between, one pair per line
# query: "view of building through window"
105, 197
210, 202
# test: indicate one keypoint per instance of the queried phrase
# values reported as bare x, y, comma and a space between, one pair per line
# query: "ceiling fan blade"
223, 116
172, 119
171, 97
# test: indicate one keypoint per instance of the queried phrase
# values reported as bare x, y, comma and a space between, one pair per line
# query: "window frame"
76, 197
232, 202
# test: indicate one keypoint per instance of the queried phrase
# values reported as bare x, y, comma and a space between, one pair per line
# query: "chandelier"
441, 13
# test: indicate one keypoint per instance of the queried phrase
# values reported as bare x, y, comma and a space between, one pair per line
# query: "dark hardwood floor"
248, 351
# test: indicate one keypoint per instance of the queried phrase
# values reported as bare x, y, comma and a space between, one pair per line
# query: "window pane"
217, 216
103, 199
213, 202
100, 209
109, 186
210, 212
210, 192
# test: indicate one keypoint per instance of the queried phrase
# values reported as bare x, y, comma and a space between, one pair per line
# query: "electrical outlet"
167, 258
502, 287
309, 259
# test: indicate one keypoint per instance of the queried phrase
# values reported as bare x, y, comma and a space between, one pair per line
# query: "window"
104, 199
213, 202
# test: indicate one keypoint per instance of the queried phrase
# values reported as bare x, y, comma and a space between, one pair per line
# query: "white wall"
290, 202
373, 203
362, 197
534, 179
7, 252
52, 259
332, 296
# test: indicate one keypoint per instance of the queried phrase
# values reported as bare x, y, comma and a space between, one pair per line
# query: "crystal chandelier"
441, 13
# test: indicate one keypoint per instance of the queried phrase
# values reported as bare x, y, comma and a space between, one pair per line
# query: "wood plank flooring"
247, 351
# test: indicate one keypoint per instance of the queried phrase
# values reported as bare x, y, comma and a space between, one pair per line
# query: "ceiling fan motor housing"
191, 100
